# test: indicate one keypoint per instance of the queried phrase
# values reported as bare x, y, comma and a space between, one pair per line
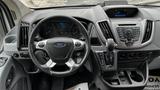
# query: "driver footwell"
43, 81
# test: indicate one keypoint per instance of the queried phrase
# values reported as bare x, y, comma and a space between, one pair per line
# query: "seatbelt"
58, 83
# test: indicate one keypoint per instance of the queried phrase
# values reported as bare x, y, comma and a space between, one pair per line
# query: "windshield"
56, 3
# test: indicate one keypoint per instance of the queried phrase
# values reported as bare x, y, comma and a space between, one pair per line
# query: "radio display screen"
122, 12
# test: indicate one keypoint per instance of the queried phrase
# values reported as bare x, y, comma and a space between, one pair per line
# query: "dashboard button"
24, 54
16, 55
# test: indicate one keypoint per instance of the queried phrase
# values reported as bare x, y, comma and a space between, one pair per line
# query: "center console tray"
127, 78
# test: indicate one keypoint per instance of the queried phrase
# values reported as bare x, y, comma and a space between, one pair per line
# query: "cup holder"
10, 39
136, 76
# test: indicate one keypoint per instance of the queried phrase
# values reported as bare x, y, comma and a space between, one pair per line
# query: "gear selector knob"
110, 44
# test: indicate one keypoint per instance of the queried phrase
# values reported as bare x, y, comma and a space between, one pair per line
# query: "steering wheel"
55, 55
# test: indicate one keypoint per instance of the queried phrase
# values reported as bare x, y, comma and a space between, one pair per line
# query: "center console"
132, 34
123, 69
130, 29
132, 71
123, 62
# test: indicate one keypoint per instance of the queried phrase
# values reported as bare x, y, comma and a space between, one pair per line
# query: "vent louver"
106, 30
148, 31
23, 38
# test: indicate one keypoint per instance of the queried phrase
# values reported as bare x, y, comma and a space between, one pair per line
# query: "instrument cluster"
59, 28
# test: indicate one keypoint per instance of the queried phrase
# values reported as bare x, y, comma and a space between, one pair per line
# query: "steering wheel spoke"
71, 63
78, 44
49, 64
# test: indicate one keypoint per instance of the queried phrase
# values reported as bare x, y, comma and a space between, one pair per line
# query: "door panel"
6, 22
12, 75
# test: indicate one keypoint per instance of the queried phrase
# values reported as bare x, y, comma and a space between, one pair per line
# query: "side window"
6, 21
3, 28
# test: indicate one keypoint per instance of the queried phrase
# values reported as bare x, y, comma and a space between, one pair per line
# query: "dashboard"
131, 27
134, 30
127, 26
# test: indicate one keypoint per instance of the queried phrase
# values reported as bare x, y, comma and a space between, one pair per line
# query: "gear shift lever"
110, 45
107, 58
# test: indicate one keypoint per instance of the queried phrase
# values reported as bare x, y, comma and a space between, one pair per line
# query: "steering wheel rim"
70, 63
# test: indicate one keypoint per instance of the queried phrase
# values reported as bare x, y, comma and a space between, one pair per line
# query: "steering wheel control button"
78, 60
41, 44
78, 44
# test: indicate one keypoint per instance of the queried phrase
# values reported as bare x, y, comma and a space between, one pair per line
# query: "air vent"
23, 35
106, 30
148, 31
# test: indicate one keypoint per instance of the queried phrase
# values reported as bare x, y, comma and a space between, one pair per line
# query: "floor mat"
153, 83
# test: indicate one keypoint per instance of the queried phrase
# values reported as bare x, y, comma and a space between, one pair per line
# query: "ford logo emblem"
60, 45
